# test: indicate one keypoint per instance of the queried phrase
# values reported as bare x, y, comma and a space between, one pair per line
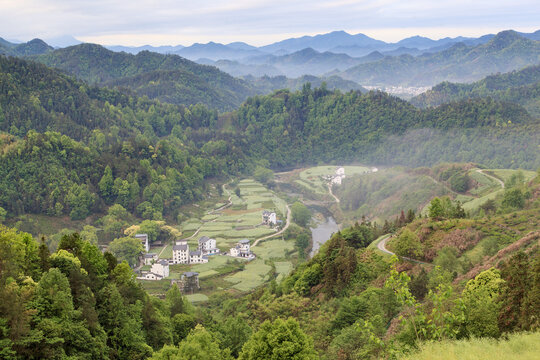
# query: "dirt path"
331, 193
382, 247
229, 202
161, 252
491, 177
279, 232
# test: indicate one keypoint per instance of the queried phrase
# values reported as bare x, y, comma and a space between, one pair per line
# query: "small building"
160, 268
189, 282
181, 253
144, 241
150, 258
149, 276
269, 218
207, 246
242, 249
196, 257
340, 171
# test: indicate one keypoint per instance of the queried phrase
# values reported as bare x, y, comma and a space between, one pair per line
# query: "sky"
257, 22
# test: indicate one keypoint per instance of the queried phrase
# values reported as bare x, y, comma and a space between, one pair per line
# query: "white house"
181, 253
242, 249
144, 241
150, 276
269, 218
208, 246
340, 171
150, 258
196, 257
160, 268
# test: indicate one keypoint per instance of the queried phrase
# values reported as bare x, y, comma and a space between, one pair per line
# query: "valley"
326, 196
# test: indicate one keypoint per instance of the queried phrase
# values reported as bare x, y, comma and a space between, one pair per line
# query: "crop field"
254, 274
194, 298
273, 249
486, 184
167, 253
283, 268
524, 346
506, 174
241, 220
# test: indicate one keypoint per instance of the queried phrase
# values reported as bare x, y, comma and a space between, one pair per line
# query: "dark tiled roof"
191, 273
164, 262
150, 255
180, 247
203, 239
195, 253
244, 241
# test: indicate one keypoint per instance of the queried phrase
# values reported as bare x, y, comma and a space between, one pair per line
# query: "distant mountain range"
170, 78
166, 72
338, 42
504, 52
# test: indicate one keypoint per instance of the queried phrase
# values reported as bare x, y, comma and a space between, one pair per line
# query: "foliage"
408, 244
281, 339
300, 214
126, 249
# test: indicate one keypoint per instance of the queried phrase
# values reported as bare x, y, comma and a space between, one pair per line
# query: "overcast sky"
258, 22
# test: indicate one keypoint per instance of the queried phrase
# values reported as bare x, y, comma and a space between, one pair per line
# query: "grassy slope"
517, 347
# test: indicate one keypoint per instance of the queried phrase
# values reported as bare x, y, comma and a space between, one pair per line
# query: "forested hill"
505, 52
32, 47
522, 87
319, 125
166, 77
142, 150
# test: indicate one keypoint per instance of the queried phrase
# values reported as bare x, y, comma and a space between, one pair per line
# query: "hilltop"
519, 86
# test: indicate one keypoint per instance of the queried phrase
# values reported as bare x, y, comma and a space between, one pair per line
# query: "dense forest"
134, 152
169, 78
320, 125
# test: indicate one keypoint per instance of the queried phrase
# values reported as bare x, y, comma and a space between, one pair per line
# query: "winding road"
382, 247
256, 242
492, 177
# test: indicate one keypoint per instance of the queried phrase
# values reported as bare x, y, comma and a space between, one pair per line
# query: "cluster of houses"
181, 254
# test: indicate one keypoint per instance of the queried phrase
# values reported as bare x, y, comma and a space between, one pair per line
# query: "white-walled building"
181, 253
160, 268
144, 241
196, 257
207, 246
269, 218
242, 249
149, 276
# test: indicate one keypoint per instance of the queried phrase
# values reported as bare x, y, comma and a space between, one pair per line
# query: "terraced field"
239, 221
313, 178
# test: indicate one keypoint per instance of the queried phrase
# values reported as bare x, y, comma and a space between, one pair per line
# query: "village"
181, 254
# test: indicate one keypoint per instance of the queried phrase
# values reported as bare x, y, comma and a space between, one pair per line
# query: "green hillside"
150, 73
521, 87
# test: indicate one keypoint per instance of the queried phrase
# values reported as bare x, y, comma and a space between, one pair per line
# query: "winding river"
322, 232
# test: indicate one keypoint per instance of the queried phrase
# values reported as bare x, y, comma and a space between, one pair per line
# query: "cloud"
256, 21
